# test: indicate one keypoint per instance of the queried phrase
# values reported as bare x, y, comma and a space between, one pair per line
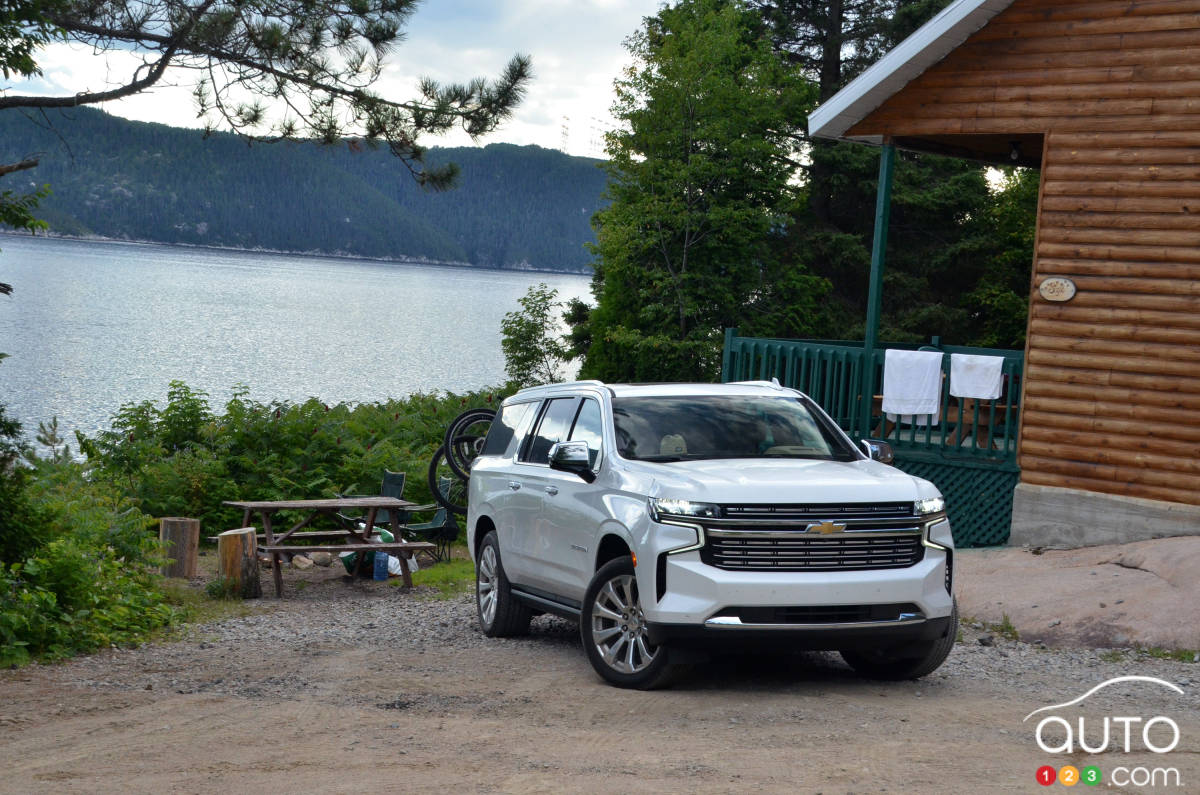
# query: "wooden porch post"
883, 207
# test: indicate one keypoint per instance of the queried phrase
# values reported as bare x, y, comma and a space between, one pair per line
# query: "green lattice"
978, 499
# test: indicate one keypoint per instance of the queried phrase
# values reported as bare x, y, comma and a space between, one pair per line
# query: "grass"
198, 607
1005, 628
451, 578
1151, 652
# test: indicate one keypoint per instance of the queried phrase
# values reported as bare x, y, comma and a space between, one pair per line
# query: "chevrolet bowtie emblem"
825, 528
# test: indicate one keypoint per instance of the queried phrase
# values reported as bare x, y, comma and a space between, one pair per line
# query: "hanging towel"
912, 382
974, 376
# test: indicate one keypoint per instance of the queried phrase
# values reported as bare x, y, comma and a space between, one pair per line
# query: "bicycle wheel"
447, 488
464, 439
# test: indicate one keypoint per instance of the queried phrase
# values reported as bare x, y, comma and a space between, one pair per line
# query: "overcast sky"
576, 47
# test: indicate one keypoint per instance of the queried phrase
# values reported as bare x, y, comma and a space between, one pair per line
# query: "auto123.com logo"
1140, 740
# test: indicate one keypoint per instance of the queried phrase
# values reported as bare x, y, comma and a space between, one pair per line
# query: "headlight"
661, 506
929, 505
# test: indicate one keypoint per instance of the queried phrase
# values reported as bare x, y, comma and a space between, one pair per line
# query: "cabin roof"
932, 42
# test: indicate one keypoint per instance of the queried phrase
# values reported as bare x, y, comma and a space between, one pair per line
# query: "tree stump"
180, 539
237, 556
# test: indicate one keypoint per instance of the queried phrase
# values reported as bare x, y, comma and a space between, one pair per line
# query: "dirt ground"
353, 687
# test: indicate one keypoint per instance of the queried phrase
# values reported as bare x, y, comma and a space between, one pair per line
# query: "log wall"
1112, 380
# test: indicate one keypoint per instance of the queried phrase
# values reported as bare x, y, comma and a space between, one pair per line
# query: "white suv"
669, 517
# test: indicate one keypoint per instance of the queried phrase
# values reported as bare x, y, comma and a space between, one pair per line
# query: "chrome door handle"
514, 485
552, 490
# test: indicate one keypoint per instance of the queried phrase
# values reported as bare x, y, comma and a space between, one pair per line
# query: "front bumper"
878, 635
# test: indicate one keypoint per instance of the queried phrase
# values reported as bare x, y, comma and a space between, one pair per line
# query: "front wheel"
614, 631
914, 664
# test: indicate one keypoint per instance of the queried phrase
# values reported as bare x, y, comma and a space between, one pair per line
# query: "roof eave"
908, 60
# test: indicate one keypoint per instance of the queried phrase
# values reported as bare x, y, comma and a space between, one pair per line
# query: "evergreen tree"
699, 182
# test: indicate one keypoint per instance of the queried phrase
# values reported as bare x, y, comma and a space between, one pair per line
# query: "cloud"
576, 47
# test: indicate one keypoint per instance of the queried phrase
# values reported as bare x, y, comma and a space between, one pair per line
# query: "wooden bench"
398, 546
307, 535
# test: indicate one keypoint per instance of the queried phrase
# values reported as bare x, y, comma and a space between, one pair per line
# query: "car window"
589, 428
502, 439
552, 427
725, 426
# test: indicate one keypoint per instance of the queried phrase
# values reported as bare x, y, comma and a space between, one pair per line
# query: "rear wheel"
614, 630
913, 664
464, 439
447, 488
500, 615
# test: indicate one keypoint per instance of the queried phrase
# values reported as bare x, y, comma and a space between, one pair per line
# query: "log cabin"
1103, 96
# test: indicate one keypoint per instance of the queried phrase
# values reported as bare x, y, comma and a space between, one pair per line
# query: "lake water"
93, 325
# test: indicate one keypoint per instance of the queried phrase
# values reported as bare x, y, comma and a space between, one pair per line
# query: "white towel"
912, 382
974, 376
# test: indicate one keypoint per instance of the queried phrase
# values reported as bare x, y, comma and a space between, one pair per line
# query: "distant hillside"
515, 206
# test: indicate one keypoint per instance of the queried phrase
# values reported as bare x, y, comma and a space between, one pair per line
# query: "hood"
783, 481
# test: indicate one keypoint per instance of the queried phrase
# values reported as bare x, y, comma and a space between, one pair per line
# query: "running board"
546, 605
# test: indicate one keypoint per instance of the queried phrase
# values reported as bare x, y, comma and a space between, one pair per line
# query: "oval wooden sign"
1057, 288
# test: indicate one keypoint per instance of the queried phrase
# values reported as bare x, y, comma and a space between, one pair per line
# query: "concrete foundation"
1046, 516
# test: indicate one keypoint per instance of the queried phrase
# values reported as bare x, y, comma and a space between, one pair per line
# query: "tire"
464, 439
448, 489
613, 630
890, 667
500, 615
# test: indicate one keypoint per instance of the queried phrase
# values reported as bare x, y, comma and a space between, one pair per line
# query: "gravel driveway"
350, 687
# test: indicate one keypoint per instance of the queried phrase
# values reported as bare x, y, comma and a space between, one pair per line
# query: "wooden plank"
1101, 471
1034, 15
1099, 27
1019, 125
1064, 420
1160, 155
1043, 353
1054, 172
1131, 253
1025, 110
1127, 191
1060, 266
1148, 141
1041, 460
1181, 220
1066, 439
1114, 317
1113, 410
1162, 386
1126, 460
1128, 284
1036, 478
1053, 92
1130, 333
1112, 394
1154, 237
946, 74
1102, 208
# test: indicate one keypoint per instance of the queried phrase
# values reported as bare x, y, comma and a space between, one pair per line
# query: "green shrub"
89, 583
185, 460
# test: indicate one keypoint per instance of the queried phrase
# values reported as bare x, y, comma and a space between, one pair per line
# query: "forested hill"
515, 206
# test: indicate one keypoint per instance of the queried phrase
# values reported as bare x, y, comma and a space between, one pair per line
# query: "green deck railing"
970, 454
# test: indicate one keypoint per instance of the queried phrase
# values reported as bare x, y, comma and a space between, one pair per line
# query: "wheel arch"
483, 526
611, 546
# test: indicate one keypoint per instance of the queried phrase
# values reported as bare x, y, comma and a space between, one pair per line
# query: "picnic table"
358, 537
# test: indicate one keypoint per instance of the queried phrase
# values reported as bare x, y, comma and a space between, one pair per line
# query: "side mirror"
574, 457
878, 451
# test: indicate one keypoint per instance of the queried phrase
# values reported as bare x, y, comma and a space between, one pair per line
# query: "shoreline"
516, 268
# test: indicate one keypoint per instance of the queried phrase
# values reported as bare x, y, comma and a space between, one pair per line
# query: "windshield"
724, 426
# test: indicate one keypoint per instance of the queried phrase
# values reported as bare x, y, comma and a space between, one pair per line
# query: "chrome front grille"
800, 538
